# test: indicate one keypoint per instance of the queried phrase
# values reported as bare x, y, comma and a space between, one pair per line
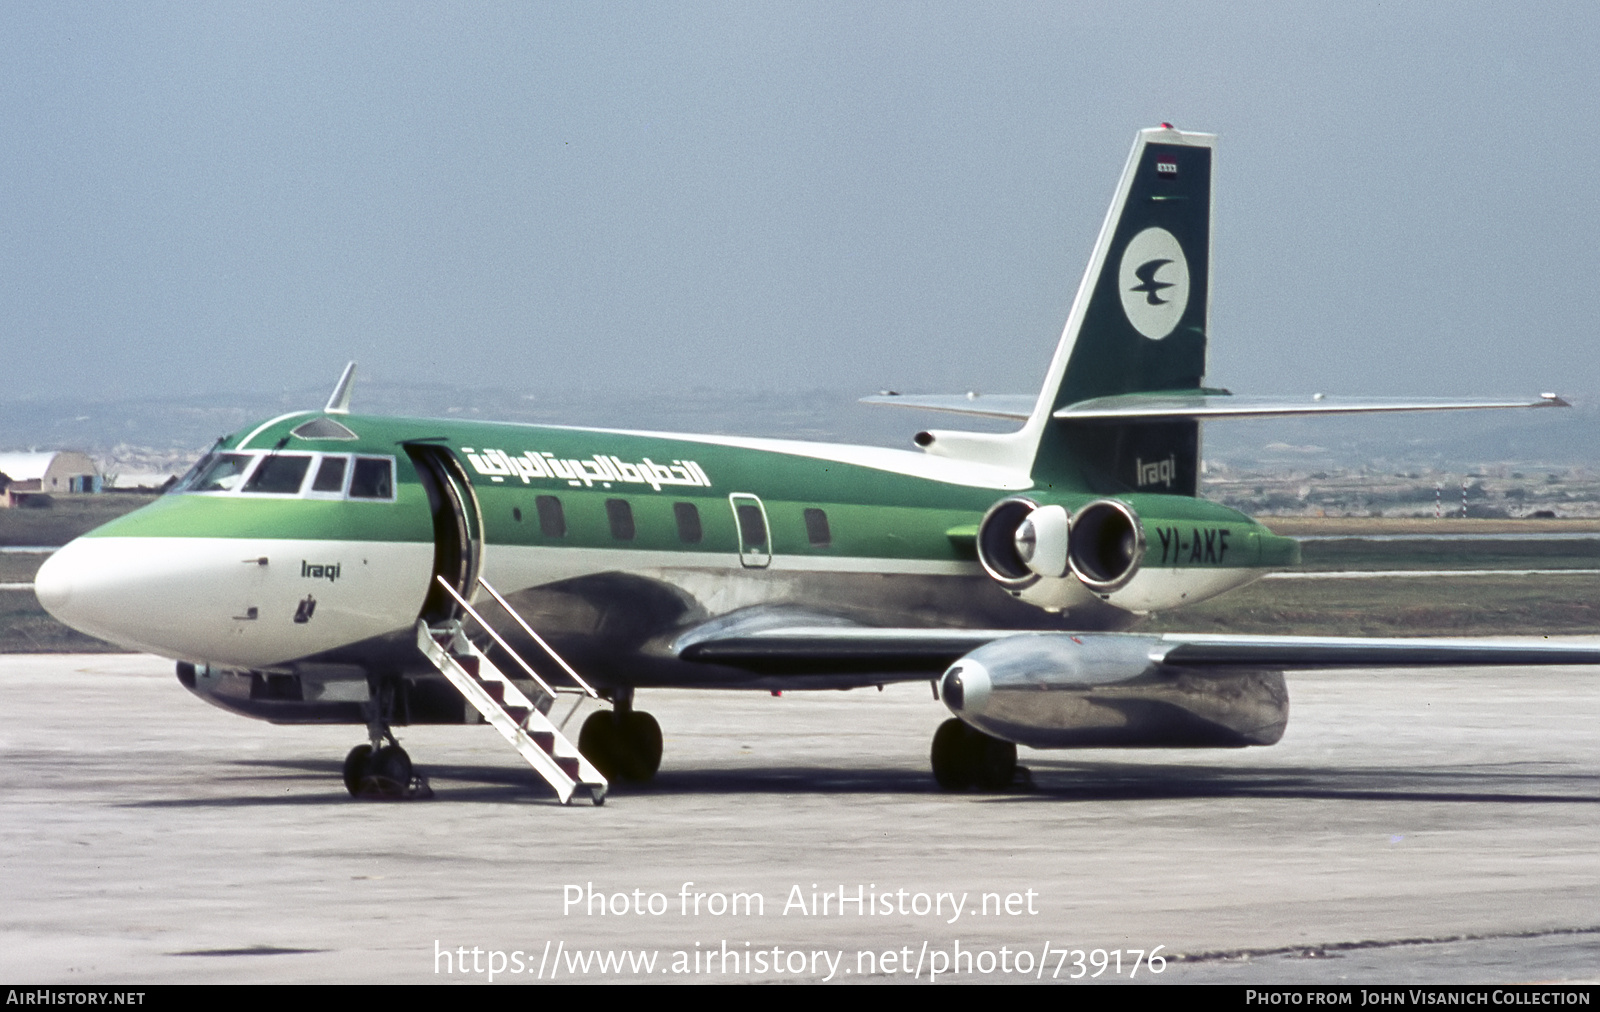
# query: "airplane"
333, 567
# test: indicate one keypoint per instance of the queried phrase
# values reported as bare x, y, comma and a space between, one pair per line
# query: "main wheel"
623, 746
642, 746
994, 762
965, 757
951, 767
355, 768
597, 740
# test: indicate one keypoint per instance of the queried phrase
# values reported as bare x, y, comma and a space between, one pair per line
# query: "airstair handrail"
536, 638
496, 636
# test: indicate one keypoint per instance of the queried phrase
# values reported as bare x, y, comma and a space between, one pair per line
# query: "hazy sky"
625, 196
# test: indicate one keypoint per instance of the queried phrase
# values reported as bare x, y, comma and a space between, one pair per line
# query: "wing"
908, 654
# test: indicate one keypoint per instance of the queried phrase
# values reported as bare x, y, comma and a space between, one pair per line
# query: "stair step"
487, 688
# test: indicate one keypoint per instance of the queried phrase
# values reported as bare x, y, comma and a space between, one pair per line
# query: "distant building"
22, 474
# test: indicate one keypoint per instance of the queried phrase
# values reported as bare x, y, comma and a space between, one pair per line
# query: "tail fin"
1137, 325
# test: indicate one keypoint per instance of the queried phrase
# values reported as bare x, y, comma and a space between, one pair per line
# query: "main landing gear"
964, 757
379, 770
623, 743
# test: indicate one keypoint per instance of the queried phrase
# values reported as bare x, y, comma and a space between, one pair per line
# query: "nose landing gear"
384, 774
377, 770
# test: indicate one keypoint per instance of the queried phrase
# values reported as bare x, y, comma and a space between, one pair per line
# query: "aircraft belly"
246, 602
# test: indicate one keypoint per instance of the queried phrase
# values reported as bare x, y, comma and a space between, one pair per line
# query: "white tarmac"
1411, 827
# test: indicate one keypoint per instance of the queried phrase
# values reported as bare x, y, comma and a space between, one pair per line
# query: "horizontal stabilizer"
1147, 407
1013, 406
1142, 407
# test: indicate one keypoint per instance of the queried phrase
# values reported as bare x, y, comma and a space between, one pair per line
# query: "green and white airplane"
332, 567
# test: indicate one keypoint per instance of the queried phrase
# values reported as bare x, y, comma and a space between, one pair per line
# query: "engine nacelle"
1023, 546
1106, 552
1063, 690
1106, 545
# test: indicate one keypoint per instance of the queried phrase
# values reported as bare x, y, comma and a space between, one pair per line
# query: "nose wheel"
382, 771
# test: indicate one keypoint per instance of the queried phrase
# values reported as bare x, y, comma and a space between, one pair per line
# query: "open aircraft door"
457, 528
755, 538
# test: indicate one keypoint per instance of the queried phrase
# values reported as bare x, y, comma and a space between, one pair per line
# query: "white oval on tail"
1154, 282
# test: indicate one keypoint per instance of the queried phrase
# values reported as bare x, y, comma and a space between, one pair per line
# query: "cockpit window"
373, 478
330, 475
271, 472
280, 473
199, 466
223, 474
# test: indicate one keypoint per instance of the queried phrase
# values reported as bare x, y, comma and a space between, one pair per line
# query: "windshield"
310, 475
222, 474
281, 473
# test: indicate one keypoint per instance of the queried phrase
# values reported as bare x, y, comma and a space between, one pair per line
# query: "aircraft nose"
52, 585
87, 586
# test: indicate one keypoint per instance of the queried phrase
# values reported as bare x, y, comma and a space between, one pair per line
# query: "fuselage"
311, 543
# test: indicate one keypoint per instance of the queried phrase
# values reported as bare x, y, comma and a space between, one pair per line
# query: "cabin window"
223, 474
373, 478
753, 526
552, 522
817, 528
621, 516
688, 518
330, 475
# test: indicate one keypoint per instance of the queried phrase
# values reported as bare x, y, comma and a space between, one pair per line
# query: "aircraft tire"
994, 762
641, 735
389, 772
597, 740
951, 767
964, 757
623, 746
355, 768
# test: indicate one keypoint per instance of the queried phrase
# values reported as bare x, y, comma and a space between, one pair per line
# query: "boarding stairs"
520, 720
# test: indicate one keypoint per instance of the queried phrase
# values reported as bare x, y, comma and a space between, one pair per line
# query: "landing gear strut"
964, 757
623, 743
378, 770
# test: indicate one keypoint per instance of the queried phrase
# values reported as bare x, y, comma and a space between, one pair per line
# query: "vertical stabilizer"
1138, 324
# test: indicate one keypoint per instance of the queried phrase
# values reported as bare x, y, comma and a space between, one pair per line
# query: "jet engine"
1064, 690
1105, 551
1106, 545
1023, 546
